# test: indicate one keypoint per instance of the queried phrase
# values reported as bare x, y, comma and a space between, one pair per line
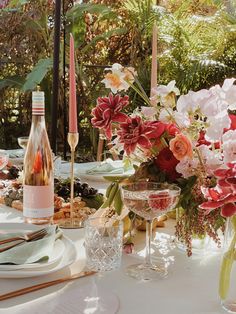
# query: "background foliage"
196, 47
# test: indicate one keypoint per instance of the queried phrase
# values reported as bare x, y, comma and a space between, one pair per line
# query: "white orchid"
170, 116
187, 167
229, 146
217, 124
230, 93
187, 103
211, 159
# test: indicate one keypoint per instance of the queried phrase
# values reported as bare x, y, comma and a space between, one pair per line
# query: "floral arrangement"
187, 139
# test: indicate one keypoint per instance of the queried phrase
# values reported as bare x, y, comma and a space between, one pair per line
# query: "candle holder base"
69, 223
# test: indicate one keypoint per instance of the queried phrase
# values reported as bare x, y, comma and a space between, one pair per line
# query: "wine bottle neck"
38, 119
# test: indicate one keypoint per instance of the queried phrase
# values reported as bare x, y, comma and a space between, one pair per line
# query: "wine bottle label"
38, 106
38, 201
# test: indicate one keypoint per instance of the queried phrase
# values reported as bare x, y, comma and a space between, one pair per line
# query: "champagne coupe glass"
3, 158
23, 141
149, 200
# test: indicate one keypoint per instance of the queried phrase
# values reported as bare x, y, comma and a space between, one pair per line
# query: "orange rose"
181, 147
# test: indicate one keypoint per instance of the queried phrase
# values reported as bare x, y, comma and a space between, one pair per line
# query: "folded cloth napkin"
30, 252
107, 166
17, 153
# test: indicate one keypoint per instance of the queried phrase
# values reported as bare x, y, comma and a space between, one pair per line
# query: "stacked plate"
84, 170
16, 156
63, 255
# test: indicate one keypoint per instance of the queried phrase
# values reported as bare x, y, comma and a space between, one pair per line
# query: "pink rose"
181, 147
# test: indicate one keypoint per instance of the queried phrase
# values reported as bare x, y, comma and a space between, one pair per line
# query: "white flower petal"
117, 67
186, 103
228, 84
217, 125
187, 167
149, 112
229, 146
166, 116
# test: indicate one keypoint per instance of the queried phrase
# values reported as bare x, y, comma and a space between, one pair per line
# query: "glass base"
229, 306
71, 223
146, 272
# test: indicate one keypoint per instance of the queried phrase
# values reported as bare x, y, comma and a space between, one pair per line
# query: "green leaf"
12, 81
118, 203
37, 74
115, 178
78, 10
94, 201
17, 3
105, 36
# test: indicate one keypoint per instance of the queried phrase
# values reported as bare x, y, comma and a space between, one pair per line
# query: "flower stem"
201, 161
139, 92
227, 263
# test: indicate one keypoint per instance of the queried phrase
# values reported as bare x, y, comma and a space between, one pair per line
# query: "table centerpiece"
173, 138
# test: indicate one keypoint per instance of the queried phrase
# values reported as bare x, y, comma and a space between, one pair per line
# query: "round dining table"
191, 286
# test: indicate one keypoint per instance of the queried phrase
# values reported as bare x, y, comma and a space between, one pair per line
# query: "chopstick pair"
40, 286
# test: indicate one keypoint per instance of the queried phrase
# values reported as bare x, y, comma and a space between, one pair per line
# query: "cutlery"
31, 238
22, 291
26, 237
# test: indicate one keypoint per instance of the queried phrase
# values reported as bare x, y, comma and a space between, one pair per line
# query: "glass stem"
148, 242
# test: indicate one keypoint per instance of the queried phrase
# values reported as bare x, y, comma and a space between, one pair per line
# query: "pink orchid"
108, 111
135, 132
223, 194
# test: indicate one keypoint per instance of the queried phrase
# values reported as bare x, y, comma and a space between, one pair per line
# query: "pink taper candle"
154, 60
72, 95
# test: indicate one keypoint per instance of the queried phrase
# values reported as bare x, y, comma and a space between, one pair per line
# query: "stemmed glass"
149, 200
3, 158
23, 141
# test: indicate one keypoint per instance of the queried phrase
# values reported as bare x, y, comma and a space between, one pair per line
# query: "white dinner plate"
68, 256
82, 168
15, 153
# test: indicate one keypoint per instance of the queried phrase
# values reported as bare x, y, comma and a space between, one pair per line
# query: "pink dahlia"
108, 111
135, 132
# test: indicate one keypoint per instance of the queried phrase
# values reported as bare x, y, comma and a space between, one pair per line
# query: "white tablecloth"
190, 288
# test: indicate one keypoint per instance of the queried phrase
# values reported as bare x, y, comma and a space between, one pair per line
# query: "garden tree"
196, 47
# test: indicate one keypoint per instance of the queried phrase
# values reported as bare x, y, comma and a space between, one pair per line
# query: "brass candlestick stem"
72, 223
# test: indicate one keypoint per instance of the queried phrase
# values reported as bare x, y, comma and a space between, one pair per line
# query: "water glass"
103, 243
23, 141
57, 166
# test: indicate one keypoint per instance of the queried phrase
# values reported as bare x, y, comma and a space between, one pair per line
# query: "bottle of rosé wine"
38, 182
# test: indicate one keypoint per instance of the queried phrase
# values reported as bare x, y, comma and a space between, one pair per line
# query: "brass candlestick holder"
72, 222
